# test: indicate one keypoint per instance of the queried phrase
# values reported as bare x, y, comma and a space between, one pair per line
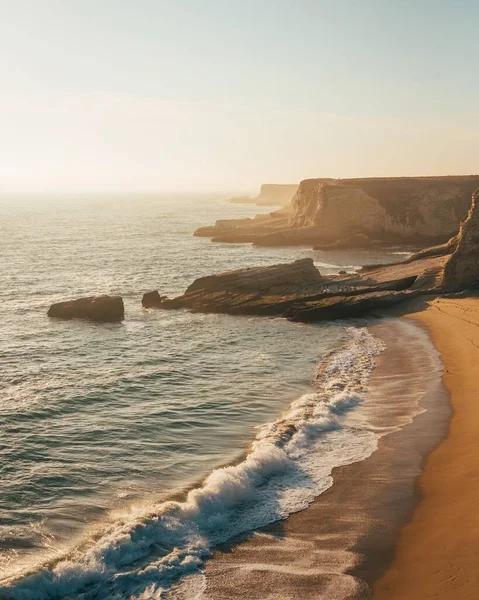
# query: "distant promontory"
271, 194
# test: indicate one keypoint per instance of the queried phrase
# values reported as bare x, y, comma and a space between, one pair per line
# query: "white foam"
326, 265
288, 466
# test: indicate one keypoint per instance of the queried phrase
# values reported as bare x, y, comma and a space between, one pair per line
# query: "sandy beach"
343, 542
436, 556
401, 524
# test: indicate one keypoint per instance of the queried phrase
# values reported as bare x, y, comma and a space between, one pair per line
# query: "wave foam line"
326, 265
288, 466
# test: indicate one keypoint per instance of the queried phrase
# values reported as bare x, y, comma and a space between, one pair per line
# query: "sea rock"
228, 228
358, 240
207, 231
106, 309
277, 290
152, 299
277, 278
255, 290
346, 307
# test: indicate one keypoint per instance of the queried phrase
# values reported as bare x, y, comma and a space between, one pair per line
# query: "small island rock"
105, 309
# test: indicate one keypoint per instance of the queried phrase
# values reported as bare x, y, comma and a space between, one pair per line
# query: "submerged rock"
105, 309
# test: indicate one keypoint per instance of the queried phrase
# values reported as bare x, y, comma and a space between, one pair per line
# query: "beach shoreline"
344, 541
435, 556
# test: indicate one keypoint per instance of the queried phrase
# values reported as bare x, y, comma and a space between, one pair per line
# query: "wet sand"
437, 552
344, 541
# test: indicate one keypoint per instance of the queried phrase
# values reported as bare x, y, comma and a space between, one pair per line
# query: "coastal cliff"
420, 208
271, 194
409, 210
299, 292
462, 269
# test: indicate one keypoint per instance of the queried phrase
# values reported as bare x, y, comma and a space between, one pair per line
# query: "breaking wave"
288, 465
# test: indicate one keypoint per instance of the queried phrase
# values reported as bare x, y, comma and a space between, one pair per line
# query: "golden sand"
437, 552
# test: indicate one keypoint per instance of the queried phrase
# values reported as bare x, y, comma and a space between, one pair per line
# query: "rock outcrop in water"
152, 299
244, 230
295, 290
271, 194
411, 210
104, 309
298, 291
255, 290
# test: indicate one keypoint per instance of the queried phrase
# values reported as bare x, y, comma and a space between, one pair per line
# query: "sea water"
128, 451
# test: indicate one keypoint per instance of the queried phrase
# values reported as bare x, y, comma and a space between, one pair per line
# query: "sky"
208, 95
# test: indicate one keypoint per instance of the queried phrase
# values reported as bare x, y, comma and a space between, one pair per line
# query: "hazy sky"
226, 94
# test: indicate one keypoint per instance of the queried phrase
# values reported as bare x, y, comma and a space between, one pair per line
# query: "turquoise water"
103, 421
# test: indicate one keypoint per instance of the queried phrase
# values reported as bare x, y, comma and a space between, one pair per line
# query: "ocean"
130, 451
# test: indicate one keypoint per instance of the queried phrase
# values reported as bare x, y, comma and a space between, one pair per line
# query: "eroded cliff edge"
410, 210
299, 292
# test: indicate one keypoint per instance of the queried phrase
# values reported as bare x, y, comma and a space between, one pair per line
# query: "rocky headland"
247, 229
352, 213
299, 292
271, 194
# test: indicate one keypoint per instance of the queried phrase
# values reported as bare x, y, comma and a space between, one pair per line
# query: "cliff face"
393, 210
406, 207
462, 268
